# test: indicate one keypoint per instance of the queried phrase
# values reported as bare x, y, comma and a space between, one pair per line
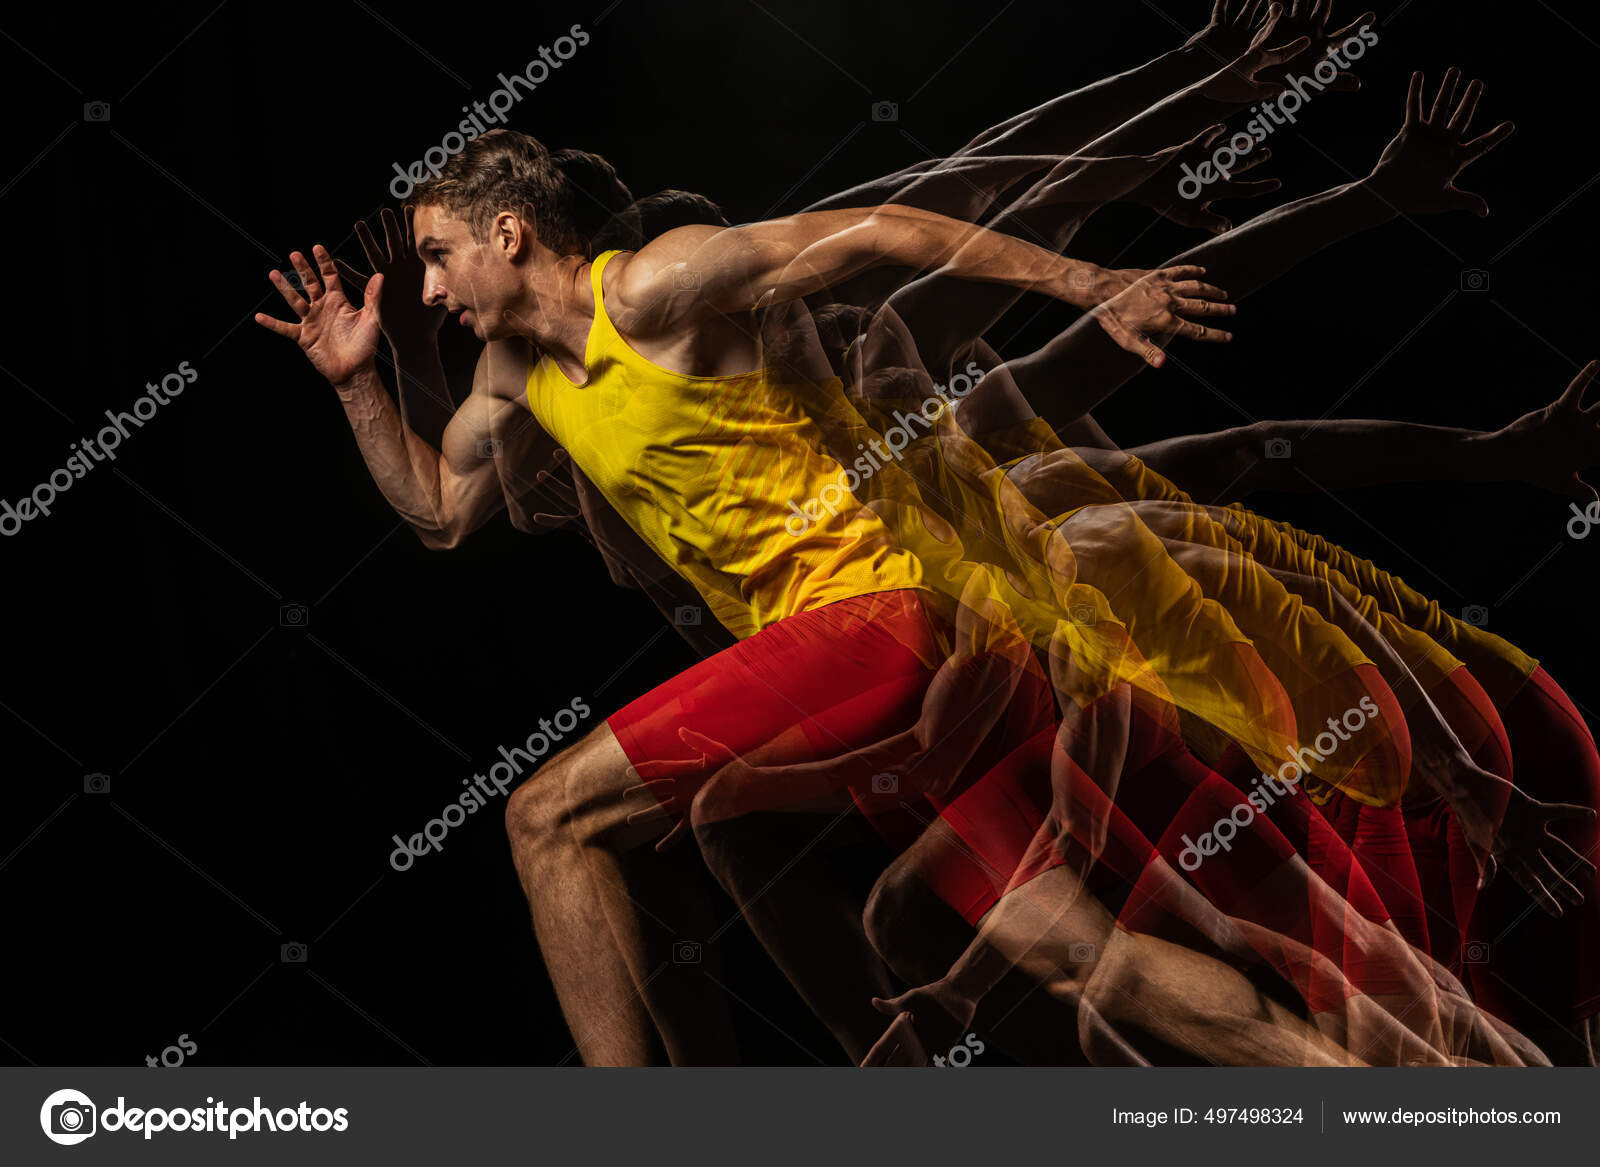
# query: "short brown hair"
571, 192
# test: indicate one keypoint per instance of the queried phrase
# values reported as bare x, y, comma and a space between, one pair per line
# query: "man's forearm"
1065, 124
1252, 255
1305, 456
1048, 132
405, 467
961, 188
966, 252
1080, 368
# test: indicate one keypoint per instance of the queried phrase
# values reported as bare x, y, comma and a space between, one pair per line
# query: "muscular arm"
944, 315
443, 494
1548, 447
1063, 125
1416, 173
693, 271
1304, 456
694, 275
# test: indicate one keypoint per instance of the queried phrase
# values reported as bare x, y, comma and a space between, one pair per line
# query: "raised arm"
443, 494
1415, 174
694, 271
1549, 447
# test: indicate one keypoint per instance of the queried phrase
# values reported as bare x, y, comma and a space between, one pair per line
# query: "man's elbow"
444, 538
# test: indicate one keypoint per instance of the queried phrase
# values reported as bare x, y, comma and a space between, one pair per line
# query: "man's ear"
513, 234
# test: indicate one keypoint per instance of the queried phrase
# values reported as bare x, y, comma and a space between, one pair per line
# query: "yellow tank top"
724, 477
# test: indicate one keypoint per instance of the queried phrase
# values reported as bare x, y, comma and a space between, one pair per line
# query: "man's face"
476, 281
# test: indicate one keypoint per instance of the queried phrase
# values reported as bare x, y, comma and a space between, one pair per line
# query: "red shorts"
827, 685
1031, 812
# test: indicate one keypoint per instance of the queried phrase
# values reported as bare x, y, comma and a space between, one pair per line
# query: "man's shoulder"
630, 270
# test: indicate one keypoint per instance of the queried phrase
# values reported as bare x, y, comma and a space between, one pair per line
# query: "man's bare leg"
610, 914
1053, 930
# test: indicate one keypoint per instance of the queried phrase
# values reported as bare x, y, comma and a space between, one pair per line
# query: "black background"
257, 770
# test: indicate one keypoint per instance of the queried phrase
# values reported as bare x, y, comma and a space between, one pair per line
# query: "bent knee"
538, 806
561, 790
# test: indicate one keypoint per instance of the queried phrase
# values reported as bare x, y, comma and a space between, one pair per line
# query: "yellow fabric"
1498, 665
1157, 594
1115, 617
1301, 600
716, 474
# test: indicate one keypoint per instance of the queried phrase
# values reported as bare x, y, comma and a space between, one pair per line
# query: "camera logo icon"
1081, 952
489, 448
294, 616
1476, 952
292, 953
686, 952
886, 784
1474, 279
67, 1117
1475, 614
686, 616
1083, 614
97, 111
1278, 448
97, 783
885, 111
686, 281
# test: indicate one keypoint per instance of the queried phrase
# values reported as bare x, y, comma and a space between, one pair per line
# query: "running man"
652, 381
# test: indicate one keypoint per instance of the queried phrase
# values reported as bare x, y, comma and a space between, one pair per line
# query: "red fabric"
1300, 889
833, 685
1531, 969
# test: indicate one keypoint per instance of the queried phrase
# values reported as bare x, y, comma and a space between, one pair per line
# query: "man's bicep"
473, 440
732, 269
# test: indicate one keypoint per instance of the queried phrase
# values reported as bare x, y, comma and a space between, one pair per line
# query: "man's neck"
561, 316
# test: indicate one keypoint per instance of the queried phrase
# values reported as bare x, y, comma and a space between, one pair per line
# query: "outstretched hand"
1418, 168
338, 338
1230, 28
1258, 73
1539, 860
1551, 446
1311, 19
1148, 309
